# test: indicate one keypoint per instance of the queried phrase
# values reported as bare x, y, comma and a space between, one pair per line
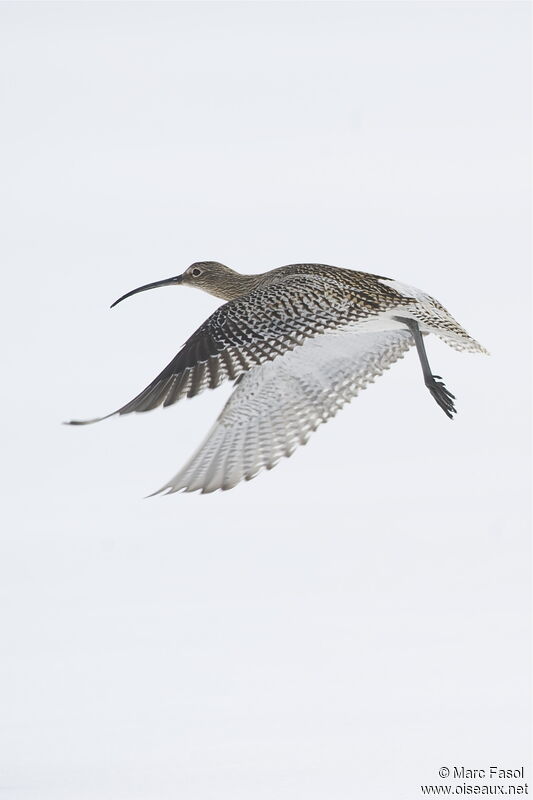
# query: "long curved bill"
166, 282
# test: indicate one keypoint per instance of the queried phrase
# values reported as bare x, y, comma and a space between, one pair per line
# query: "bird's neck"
235, 285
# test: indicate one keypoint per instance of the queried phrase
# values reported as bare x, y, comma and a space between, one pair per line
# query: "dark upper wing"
247, 332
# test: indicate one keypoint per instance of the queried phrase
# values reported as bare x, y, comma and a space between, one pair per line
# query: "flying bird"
299, 342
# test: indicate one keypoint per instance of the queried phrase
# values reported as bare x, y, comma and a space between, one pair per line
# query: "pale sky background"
342, 626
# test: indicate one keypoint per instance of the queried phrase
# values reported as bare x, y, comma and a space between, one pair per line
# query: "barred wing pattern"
434, 318
275, 407
248, 332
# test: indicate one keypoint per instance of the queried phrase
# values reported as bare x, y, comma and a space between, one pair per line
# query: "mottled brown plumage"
272, 314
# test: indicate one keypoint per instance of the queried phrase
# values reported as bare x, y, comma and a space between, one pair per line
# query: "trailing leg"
434, 383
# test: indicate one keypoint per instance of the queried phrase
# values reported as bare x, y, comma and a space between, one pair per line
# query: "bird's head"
211, 276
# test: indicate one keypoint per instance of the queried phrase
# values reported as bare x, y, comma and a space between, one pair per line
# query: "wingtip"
171, 488
152, 494
162, 492
84, 421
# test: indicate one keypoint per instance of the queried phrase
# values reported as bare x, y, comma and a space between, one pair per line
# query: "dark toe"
442, 396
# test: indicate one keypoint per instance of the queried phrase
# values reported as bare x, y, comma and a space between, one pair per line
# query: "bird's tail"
434, 318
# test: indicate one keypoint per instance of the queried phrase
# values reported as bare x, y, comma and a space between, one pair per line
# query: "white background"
344, 625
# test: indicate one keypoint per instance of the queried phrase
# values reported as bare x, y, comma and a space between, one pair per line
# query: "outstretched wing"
245, 333
277, 406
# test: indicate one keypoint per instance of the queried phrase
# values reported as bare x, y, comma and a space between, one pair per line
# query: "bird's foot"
441, 395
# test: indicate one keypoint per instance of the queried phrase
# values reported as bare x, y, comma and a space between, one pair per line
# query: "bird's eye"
196, 272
